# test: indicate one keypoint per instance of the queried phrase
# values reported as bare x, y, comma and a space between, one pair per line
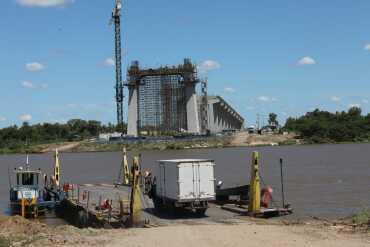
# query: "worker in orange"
266, 196
106, 205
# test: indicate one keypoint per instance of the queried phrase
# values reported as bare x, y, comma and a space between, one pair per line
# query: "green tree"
273, 119
323, 126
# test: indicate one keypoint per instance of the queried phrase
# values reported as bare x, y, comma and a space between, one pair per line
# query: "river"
320, 180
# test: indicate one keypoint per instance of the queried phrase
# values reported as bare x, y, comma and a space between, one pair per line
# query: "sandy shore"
16, 231
236, 235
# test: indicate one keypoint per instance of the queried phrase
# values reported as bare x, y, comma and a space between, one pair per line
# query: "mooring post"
23, 204
126, 171
87, 205
121, 208
135, 198
254, 187
282, 182
99, 205
110, 210
78, 194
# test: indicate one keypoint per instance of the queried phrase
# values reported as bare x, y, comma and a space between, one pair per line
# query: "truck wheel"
200, 212
157, 204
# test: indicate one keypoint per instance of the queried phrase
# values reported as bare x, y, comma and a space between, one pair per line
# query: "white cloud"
2, 119
208, 65
367, 47
307, 61
266, 98
335, 98
354, 105
27, 84
263, 98
109, 62
33, 67
31, 85
229, 90
44, 3
365, 101
25, 117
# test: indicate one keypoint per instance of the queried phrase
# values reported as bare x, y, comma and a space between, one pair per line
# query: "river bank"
16, 231
241, 139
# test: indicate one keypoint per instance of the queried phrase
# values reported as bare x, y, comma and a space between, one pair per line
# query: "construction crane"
116, 18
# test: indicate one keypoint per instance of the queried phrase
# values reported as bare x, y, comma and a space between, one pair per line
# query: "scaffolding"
162, 97
204, 108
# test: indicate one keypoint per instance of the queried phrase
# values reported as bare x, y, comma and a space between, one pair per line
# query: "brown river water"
320, 180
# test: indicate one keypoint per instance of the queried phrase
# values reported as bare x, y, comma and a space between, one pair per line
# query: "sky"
287, 56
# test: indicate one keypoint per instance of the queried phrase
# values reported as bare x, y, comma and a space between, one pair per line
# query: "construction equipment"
56, 169
125, 170
204, 108
116, 18
135, 198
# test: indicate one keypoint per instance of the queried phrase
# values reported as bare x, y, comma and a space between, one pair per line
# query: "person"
106, 205
266, 196
147, 182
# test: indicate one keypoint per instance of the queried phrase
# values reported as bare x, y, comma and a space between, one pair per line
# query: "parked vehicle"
184, 184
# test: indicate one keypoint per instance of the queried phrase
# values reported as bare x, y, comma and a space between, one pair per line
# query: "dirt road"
244, 234
62, 147
16, 231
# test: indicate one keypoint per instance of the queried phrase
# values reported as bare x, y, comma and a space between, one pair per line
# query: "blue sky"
262, 56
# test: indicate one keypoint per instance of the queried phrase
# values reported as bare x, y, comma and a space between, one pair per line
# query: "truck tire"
200, 212
158, 205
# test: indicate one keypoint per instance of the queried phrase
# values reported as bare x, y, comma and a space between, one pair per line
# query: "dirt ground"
16, 231
244, 234
62, 147
246, 139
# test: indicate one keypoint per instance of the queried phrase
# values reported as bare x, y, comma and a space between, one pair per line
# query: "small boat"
28, 197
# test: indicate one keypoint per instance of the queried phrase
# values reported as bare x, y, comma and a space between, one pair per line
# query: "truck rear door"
206, 180
187, 181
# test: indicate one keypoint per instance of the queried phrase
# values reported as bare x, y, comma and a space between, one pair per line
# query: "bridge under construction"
164, 101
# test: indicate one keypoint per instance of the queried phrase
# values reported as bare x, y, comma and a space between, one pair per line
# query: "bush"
4, 242
362, 217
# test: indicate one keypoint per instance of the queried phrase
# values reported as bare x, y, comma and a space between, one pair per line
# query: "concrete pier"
132, 126
221, 116
168, 97
192, 110
164, 101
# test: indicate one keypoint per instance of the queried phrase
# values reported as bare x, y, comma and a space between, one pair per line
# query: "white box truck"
184, 184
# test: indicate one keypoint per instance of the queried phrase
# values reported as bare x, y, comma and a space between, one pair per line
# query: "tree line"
326, 127
15, 137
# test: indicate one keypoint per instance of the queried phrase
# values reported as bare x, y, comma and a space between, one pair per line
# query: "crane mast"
116, 18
